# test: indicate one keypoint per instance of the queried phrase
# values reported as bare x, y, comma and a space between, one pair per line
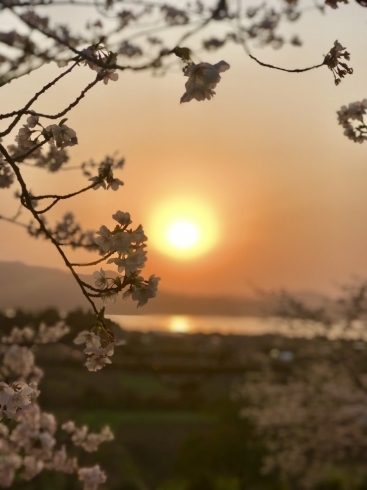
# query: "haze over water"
226, 325
194, 324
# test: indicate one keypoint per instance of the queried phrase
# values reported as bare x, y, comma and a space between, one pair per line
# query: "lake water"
240, 325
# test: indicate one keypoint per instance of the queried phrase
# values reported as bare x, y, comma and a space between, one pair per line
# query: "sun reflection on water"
179, 324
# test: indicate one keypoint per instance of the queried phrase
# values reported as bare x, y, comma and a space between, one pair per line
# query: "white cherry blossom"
121, 242
104, 240
138, 235
100, 279
88, 338
99, 357
122, 218
135, 261
203, 78
109, 297
62, 135
32, 121
146, 291
91, 477
110, 75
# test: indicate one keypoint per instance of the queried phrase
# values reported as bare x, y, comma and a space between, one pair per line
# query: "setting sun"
183, 234
183, 228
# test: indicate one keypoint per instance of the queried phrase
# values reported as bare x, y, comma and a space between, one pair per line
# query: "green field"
116, 418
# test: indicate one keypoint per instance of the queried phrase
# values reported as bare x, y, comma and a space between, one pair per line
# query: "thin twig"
75, 264
19, 158
27, 200
60, 198
59, 114
13, 221
296, 70
18, 114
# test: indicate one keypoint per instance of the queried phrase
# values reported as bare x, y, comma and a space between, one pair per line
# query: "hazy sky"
266, 157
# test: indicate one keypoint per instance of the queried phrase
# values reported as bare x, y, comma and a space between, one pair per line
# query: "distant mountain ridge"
34, 287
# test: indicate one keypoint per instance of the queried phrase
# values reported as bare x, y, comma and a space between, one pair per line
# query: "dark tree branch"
296, 70
27, 200
18, 114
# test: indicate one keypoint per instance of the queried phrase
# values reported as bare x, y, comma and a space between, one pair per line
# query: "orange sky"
266, 155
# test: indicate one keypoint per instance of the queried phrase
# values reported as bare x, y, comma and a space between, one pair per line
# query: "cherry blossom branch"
76, 101
110, 289
13, 221
91, 287
13, 74
296, 70
18, 114
98, 78
19, 158
51, 3
74, 244
58, 198
95, 262
85, 56
27, 202
47, 3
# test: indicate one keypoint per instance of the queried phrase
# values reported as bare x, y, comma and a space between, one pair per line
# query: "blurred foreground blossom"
6, 175
15, 398
203, 78
146, 291
334, 3
29, 443
91, 477
310, 421
62, 135
83, 438
354, 112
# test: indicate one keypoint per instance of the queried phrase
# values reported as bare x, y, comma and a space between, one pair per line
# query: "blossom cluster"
174, 16
98, 356
203, 78
59, 135
336, 59
334, 3
310, 422
265, 23
6, 175
92, 477
129, 245
44, 334
97, 57
354, 112
18, 359
130, 50
88, 441
256, 23
31, 445
105, 178
15, 398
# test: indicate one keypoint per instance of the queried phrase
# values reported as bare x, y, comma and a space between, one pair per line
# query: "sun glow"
183, 234
183, 228
179, 324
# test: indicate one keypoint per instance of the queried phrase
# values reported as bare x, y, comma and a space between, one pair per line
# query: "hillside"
34, 287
